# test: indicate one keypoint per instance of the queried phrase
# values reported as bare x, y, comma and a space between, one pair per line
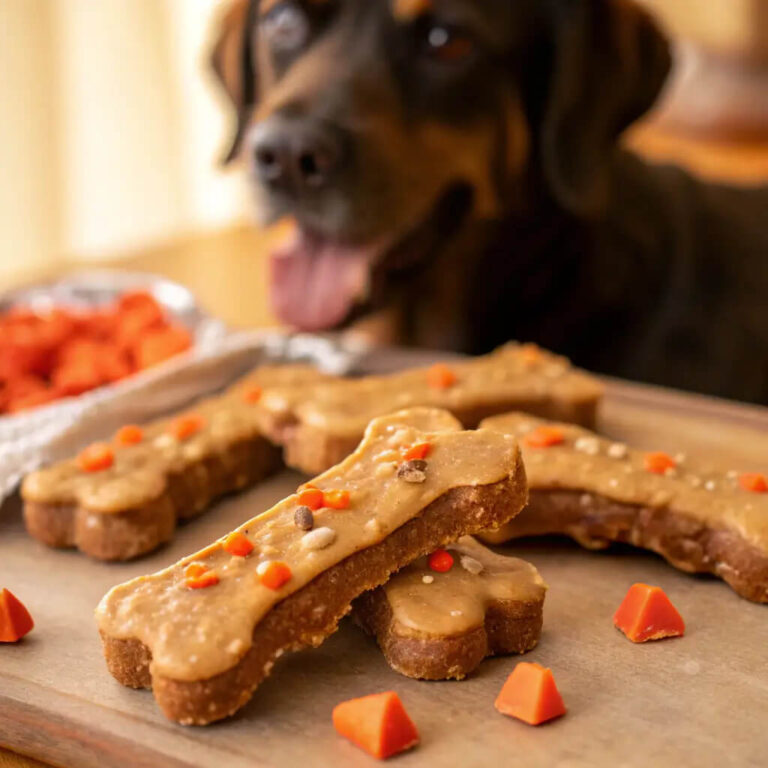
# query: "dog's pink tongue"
314, 285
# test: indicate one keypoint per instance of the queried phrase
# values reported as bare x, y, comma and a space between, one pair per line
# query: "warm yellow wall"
29, 222
109, 129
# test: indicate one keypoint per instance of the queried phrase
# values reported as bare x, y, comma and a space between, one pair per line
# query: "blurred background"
112, 127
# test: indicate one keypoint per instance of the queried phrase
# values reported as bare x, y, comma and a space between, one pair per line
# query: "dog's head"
379, 126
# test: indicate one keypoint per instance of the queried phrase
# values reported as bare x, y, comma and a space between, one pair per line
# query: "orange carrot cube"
238, 544
658, 463
96, 458
418, 451
544, 437
754, 482
15, 621
440, 376
378, 724
646, 613
312, 498
274, 575
130, 434
530, 694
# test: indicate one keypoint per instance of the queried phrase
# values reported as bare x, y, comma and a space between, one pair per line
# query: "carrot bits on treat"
754, 482
315, 499
336, 499
312, 498
646, 613
96, 458
418, 451
129, 435
378, 724
440, 376
273, 574
544, 437
530, 694
187, 426
15, 621
659, 463
199, 577
252, 394
238, 544
440, 561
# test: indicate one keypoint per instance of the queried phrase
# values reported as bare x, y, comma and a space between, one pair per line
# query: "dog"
454, 166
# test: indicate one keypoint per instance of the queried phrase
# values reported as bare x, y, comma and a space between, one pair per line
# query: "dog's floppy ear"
609, 62
232, 61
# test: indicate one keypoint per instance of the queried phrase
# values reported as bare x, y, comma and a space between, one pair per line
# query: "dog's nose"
295, 155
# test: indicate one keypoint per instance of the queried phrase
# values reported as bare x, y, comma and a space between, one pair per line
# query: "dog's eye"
447, 43
286, 26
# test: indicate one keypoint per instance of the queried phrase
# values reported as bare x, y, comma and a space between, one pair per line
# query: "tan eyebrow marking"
408, 10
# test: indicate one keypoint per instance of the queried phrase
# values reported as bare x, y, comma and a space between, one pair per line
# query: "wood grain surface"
697, 701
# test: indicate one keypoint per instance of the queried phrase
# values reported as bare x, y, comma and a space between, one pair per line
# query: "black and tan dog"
456, 163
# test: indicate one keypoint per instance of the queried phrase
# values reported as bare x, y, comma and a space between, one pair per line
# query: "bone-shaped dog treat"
123, 499
205, 632
322, 423
597, 491
437, 624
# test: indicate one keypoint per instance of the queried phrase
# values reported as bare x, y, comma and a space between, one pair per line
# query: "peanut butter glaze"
589, 463
429, 604
515, 372
194, 634
139, 472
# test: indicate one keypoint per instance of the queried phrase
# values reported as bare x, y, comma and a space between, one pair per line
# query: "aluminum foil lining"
50, 433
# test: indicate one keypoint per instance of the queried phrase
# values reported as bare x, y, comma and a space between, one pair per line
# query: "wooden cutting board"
697, 701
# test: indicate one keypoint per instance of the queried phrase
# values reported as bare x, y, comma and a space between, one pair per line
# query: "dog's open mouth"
318, 283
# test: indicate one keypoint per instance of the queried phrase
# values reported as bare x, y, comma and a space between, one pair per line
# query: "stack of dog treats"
409, 467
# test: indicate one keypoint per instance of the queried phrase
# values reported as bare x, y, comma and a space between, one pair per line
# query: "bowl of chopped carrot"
89, 331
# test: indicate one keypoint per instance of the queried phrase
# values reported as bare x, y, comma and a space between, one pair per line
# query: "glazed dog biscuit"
118, 501
205, 632
320, 424
597, 491
436, 624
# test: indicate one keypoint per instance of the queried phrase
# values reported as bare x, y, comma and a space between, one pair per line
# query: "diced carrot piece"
312, 498
15, 621
193, 570
418, 451
658, 462
544, 437
133, 300
754, 482
646, 613
440, 376
198, 576
186, 426
274, 575
530, 354
113, 364
440, 561
72, 379
96, 458
530, 694
378, 724
238, 544
130, 434
159, 345
252, 394
29, 399
336, 499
